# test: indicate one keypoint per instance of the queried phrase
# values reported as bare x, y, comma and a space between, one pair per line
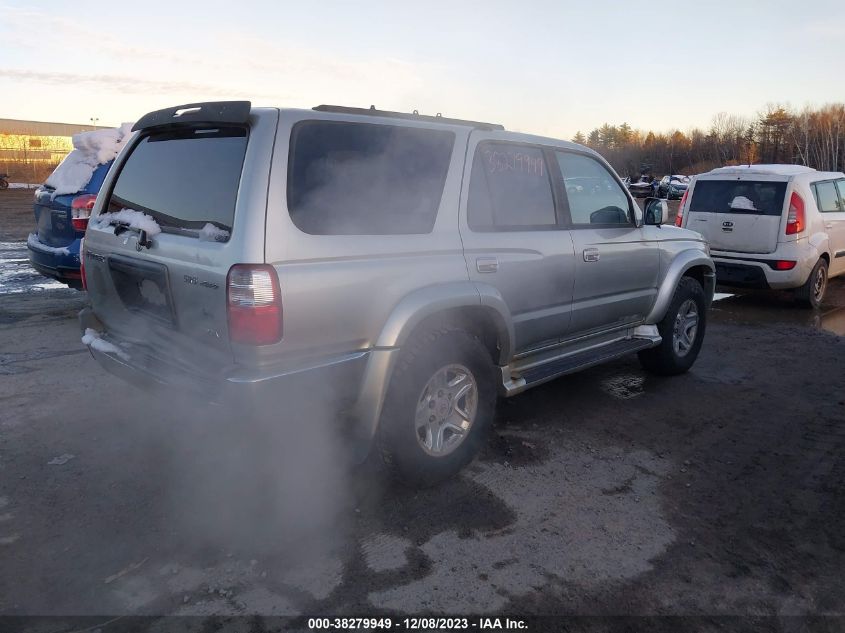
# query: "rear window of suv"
184, 178
754, 197
366, 179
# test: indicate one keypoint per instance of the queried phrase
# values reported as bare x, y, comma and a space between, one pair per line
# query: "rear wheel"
439, 408
682, 331
811, 294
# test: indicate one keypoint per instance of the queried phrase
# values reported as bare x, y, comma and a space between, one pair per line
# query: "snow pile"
741, 202
37, 245
91, 149
22, 185
134, 219
211, 233
92, 339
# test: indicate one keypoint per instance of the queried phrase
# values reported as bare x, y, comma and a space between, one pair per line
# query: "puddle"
17, 276
778, 308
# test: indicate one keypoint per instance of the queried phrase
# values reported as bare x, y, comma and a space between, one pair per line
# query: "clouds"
120, 83
178, 62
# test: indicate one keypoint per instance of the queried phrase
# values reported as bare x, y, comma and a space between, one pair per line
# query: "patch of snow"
37, 245
211, 233
135, 220
741, 202
91, 149
22, 185
92, 339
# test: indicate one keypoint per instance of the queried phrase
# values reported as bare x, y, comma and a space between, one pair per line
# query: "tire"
407, 438
811, 295
677, 351
4, 184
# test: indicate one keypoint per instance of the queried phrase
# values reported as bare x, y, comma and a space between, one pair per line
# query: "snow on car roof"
91, 149
780, 170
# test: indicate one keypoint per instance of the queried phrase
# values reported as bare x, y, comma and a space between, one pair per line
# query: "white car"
770, 226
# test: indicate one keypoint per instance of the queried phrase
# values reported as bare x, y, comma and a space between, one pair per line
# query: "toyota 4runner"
415, 268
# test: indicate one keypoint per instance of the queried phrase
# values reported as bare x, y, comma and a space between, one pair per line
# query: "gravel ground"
609, 492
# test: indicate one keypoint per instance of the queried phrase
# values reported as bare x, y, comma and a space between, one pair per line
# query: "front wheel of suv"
439, 407
682, 331
811, 294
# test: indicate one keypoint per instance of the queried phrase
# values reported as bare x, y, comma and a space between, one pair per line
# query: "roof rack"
415, 116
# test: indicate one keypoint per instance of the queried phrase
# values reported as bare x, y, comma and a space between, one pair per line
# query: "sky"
544, 67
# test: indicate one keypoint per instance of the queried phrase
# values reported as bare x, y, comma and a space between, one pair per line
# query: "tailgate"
160, 245
741, 214
53, 213
52, 218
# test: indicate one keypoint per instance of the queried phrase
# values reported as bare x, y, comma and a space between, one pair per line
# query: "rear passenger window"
593, 193
826, 197
366, 179
510, 189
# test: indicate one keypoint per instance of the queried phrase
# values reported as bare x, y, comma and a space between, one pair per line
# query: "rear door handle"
487, 264
591, 254
828, 225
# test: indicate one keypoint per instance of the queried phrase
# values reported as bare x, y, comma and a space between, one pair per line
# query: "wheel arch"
692, 263
463, 304
477, 308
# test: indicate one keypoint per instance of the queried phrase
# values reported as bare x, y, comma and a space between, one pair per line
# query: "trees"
813, 137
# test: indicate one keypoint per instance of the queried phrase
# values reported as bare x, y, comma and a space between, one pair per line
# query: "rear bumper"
350, 384
59, 263
738, 270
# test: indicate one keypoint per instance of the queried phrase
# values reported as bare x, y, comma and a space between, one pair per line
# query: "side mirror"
656, 212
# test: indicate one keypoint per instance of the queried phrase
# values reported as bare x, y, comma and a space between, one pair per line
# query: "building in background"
30, 150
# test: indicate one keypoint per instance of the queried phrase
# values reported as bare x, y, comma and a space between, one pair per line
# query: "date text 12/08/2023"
414, 624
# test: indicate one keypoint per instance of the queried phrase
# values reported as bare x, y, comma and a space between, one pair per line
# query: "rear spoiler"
225, 112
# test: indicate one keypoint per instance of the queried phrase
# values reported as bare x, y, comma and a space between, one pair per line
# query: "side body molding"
682, 262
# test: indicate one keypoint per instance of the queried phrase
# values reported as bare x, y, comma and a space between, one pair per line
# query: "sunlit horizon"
546, 68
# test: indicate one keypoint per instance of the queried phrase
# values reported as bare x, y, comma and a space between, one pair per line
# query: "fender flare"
409, 313
415, 307
680, 265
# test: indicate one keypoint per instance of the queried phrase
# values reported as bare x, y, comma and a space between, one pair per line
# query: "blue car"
60, 227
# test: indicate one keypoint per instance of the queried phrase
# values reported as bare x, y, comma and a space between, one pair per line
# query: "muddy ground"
609, 492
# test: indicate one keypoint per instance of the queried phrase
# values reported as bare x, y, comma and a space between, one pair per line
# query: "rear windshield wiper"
120, 227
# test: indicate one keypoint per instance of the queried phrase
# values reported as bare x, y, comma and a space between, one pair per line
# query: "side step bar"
574, 362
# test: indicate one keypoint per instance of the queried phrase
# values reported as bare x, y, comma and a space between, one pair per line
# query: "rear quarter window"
366, 179
754, 197
827, 198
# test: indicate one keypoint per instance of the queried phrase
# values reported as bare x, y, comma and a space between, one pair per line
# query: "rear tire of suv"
811, 294
439, 407
682, 330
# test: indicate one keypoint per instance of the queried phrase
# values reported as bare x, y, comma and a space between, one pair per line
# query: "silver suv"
413, 267
771, 226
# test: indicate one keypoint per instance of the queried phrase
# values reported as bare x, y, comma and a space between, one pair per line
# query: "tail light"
82, 264
795, 218
80, 211
783, 264
680, 217
254, 304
